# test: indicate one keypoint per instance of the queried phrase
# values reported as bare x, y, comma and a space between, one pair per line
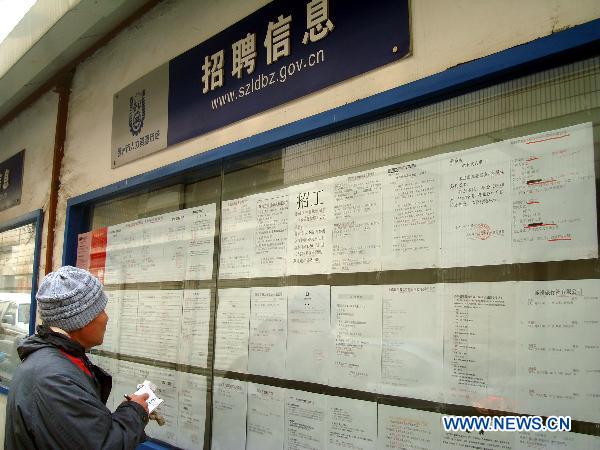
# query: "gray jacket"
57, 401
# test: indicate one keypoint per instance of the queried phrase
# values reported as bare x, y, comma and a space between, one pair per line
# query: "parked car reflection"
14, 325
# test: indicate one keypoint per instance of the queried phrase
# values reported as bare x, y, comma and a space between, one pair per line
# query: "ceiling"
52, 35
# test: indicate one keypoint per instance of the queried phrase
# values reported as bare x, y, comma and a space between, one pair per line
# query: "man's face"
93, 333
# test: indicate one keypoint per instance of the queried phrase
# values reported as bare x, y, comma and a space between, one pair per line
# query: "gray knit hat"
70, 298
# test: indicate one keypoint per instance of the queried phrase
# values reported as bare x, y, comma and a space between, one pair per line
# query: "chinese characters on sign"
138, 143
277, 43
281, 52
317, 21
244, 54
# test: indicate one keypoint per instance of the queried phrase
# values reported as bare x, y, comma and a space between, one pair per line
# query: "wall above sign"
281, 52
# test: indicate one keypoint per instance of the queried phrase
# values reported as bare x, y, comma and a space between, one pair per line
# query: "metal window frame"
573, 44
37, 218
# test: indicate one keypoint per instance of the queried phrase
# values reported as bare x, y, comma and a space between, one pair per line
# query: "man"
57, 397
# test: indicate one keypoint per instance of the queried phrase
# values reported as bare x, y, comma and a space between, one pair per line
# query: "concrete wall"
33, 130
444, 34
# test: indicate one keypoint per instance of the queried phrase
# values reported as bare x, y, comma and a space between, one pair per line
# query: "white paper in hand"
146, 388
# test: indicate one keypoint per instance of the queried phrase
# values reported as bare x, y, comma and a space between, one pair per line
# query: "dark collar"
61, 341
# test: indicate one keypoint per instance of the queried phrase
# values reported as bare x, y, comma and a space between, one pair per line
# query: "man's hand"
140, 400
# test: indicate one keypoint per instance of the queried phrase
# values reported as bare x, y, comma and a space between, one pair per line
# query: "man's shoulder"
48, 374
34, 371
44, 355
44, 364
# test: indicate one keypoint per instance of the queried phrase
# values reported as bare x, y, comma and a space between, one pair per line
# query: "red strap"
78, 362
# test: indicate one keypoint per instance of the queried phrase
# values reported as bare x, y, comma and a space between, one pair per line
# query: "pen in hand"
154, 416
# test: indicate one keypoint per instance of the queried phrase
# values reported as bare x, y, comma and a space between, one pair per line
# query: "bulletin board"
348, 289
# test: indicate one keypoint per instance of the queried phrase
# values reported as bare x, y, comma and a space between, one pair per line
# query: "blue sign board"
11, 181
283, 51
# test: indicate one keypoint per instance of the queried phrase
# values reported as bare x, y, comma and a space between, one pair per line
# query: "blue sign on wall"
283, 51
11, 181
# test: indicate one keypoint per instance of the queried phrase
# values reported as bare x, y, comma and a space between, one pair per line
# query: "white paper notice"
512, 201
549, 171
266, 417
233, 322
195, 325
237, 237
479, 348
128, 321
357, 222
305, 421
122, 252
200, 229
160, 323
310, 228
309, 338
558, 369
476, 207
351, 424
356, 325
229, 414
412, 341
161, 251
153, 401
147, 325
270, 241
475, 441
411, 215
113, 309
556, 441
191, 418
408, 429
84, 246
170, 247
268, 331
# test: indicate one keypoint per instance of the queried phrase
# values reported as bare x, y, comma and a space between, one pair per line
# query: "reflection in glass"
16, 264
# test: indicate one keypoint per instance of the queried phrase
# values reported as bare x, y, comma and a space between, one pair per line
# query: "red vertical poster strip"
98, 252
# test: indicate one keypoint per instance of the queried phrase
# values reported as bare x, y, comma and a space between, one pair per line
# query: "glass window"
24, 313
155, 253
364, 283
17, 248
9, 317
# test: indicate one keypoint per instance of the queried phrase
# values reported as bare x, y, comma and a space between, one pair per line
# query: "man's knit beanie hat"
70, 298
